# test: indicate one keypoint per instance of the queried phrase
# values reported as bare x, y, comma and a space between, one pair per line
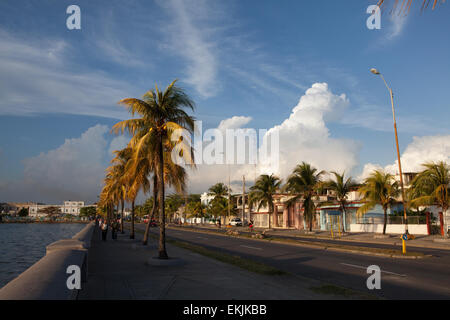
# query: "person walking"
114, 229
104, 228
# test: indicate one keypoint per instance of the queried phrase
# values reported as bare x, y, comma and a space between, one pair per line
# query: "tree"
50, 211
379, 188
342, 188
218, 207
219, 191
173, 203
23, 212
162, 115
304, 183
89, 212
261, 194
432, 186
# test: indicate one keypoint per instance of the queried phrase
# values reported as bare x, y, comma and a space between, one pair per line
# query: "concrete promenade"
118, 270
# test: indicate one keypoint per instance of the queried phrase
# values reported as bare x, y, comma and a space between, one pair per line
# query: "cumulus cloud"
234, 122
419, 151
74, 170
118, 143
304, 136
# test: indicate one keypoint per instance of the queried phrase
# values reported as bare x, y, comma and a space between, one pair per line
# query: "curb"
397, 243
384, 255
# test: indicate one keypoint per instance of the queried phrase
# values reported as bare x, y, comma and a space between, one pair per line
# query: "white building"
72, 207
68, 207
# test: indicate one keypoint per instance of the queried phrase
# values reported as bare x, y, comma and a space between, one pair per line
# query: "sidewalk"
118, 270
421, 241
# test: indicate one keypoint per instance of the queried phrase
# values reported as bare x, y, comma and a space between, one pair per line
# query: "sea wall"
47, 278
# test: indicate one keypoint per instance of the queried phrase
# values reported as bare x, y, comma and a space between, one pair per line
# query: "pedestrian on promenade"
104, 228
114, 229
219, 223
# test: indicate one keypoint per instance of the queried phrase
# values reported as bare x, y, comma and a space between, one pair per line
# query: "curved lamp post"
376, 72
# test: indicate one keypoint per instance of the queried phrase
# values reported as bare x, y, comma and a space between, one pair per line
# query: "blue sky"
235, 58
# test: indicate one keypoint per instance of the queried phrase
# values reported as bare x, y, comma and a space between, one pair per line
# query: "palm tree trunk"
162, 217
132, 220
385, 221
121, 218
275, 217
147, 228
343, 218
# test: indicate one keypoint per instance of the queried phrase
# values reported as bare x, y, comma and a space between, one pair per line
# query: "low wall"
46, 279
390, 228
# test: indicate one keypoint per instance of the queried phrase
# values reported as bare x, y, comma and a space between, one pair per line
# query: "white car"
236, 222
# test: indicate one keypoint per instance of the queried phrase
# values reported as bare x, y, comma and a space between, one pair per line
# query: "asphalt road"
401, 279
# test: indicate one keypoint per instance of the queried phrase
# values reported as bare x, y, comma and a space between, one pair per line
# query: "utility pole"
229, 195
243, 198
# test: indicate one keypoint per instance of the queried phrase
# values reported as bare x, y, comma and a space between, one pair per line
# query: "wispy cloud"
190, 38
397, 25
37, 77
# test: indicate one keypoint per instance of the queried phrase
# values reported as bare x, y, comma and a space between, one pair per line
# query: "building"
13, 208
68, 207
72, 207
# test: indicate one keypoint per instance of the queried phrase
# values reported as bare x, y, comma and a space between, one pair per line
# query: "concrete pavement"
118, 270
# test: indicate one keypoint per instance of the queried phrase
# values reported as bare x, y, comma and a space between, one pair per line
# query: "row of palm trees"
305, 184
146, 162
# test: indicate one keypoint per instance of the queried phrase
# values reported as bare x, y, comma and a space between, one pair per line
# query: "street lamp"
376, 72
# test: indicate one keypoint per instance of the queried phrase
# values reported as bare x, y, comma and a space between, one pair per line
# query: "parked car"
237, 222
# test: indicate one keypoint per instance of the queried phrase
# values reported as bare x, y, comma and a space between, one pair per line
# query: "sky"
300, 68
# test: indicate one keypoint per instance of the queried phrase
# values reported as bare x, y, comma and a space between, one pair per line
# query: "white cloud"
191, 40
234, 122
75, 170
36, 78
118, 143
398, 23
304, 136
419, 151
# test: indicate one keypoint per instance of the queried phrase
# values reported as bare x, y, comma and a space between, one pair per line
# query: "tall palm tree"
261, 194
304, 183
161, 113
406, 5
432, 186
379, 188
342, 187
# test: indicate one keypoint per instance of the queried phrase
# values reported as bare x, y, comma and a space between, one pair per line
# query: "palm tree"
161, 113
304, 183
342, 188
432, 186
406, 5
379, 188
262, 193
120, 165
219, 191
